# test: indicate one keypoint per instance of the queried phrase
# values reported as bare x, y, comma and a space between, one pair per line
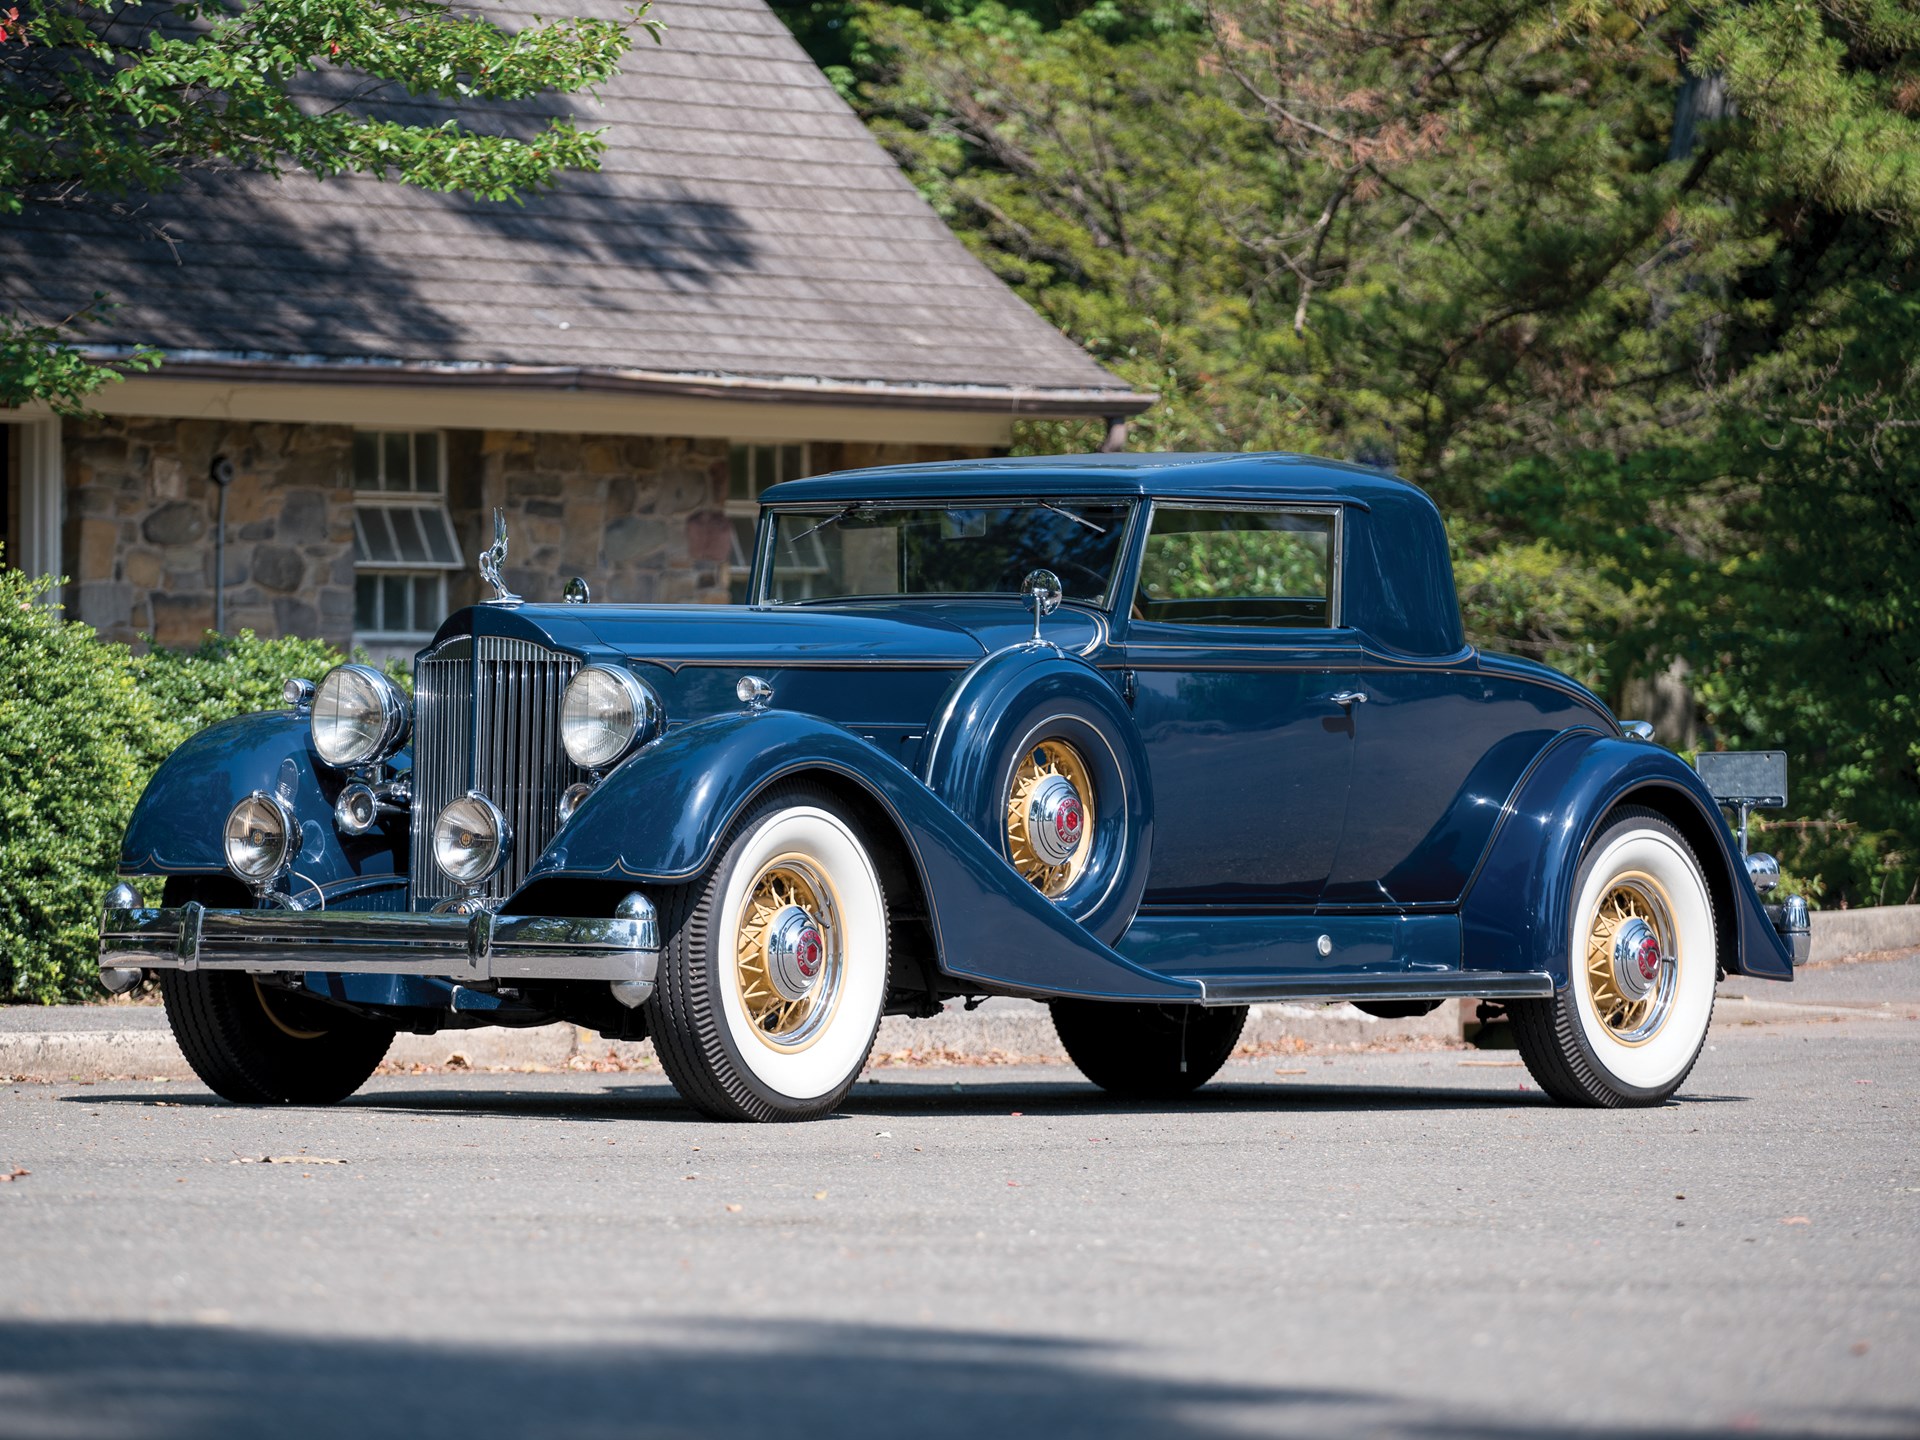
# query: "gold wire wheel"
1052, 787
788, 951
1632, 923
278, 1023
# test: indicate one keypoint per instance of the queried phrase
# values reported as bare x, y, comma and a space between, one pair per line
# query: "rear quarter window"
1238, 567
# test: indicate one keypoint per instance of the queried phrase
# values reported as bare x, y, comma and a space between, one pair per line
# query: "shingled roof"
745, 235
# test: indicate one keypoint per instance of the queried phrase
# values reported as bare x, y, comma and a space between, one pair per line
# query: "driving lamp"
604, 713
471, 838
359, 716
262, 838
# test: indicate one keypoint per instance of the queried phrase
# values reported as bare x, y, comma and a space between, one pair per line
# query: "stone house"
748, 290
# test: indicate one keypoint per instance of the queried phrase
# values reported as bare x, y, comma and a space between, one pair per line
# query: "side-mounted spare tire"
1038, 753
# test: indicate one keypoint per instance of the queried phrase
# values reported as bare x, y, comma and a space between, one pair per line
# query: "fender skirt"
177, 826
1518, 913
660, 817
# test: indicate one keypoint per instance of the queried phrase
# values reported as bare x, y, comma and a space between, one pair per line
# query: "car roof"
1219, 476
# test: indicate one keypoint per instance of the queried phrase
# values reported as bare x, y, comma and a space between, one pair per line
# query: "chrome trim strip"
1462, 984
458, 947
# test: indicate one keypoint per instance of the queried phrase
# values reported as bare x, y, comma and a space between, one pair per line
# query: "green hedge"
83, 724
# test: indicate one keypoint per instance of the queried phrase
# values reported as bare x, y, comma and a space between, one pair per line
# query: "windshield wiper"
833, 519
1077, 519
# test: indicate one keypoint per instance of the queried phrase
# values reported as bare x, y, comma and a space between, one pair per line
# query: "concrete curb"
1837, 934
99, 1042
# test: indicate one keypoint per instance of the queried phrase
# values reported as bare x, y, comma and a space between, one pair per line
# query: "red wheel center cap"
1067, 820
807, 951
1648, 958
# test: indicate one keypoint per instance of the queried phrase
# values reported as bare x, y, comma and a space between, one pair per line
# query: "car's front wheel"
258, 1043
1148, 1052
773, 976
1632, 1019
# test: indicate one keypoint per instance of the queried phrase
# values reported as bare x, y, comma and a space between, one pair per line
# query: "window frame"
751, 508
411, 570
1123, 560
1336, 560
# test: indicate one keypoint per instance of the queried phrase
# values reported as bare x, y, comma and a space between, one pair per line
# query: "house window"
752, 468
403, 542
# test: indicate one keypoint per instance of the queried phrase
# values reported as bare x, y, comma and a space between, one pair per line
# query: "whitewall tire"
1643, 961
774, 974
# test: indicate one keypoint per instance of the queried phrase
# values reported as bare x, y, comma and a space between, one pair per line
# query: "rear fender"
1518, 913
661, 816
177, 826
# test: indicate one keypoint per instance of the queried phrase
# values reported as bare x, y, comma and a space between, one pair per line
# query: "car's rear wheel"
773, 976
1148, 1052
257, 1043
1633, 1016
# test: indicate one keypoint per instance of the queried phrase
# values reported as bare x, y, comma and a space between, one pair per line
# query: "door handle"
1348, 698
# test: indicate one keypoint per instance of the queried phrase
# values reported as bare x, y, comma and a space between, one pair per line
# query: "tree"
1652, 355
102, 101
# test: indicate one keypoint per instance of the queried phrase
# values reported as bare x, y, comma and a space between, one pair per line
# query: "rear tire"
257, 1044
1148, 1052
743, 1028
1612, 1037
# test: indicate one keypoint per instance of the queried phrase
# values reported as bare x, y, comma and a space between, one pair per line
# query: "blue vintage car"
1150, 738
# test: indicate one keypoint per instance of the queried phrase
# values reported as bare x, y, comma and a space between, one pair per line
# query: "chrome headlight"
359, 715
262, 838
471, 838
604, 713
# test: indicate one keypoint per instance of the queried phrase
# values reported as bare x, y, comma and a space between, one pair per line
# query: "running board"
1460, 984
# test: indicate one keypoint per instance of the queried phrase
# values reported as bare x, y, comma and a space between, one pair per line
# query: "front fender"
176, 827
1518, 913
661, 816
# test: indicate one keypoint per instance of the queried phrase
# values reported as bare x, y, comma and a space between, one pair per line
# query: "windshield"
838, 553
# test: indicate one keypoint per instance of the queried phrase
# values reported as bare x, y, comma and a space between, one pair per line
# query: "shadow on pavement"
728, 1380
655, 1100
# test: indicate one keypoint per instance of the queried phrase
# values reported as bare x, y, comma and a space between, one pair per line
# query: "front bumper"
454, 947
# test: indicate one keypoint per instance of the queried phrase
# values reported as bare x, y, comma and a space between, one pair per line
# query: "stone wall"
140, 512
642, 518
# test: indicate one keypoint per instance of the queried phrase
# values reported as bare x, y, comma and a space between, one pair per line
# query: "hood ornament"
490, 560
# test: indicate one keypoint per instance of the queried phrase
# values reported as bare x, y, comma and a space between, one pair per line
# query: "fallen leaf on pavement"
1289, 1072
733, 1209
819, 1194
1796, 1220
286, 1160
14, 1175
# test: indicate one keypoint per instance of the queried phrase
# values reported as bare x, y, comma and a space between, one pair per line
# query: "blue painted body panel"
177, 826
1433, 829
1213, 946
703, 776
1519, 911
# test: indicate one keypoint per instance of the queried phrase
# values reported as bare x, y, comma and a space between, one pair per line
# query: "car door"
1238, 669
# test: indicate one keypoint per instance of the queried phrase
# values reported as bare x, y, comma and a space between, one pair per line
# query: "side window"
1238, 567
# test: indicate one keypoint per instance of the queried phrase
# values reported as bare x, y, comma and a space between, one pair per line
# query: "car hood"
675, 635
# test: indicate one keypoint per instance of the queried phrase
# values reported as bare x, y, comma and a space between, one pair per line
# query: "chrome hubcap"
796, 952
1055, 819
1636, 959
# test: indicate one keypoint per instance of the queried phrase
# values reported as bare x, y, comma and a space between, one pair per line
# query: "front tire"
1148, 1052
258, 1044
1632, 1019
773, 977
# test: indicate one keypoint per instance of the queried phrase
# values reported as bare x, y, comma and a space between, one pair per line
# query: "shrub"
83, 725
75, 731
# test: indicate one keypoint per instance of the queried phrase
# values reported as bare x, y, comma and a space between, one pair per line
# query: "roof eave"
1104, 404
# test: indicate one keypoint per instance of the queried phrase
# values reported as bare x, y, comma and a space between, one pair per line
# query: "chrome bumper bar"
453, 947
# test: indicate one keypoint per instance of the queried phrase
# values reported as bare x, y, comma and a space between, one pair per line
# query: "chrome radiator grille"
487, 718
